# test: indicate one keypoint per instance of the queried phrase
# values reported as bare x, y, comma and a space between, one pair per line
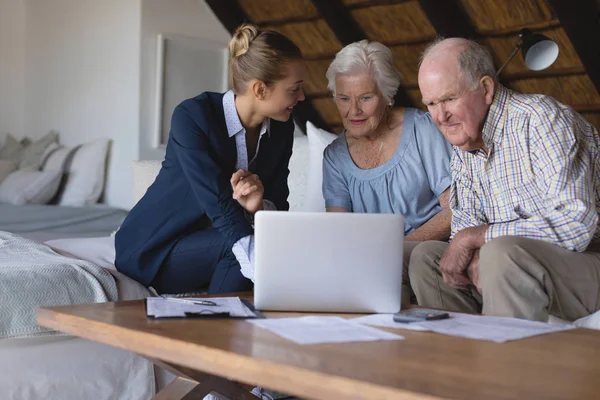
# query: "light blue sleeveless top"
408, 184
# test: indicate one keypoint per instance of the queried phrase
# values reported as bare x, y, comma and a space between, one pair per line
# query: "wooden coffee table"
563, 365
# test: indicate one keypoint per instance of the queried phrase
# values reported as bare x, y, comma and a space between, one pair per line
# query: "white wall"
12, 66
82, 72
191, 18
87, 68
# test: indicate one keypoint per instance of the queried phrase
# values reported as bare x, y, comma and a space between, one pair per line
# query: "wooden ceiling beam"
231, 16
229, 13
581, 21
347, 31
448, 18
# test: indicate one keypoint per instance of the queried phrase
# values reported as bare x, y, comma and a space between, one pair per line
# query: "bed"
63, 367
49, 193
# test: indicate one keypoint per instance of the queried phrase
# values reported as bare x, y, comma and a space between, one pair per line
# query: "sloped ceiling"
322, 27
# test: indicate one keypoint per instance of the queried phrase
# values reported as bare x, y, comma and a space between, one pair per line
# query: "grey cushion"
33, 154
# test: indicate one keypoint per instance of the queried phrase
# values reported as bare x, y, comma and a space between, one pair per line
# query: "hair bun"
242, 37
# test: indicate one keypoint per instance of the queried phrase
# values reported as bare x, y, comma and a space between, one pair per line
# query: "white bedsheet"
69, 368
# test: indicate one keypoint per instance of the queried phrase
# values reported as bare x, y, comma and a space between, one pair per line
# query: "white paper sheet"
494, 329
159, 307
315, 329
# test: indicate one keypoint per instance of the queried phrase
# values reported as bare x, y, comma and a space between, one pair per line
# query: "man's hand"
248, 190
455, 261
473, 271
460, 254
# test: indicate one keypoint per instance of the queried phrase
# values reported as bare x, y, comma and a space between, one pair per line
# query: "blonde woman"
227, 157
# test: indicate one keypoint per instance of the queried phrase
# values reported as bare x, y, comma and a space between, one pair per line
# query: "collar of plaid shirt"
493, 128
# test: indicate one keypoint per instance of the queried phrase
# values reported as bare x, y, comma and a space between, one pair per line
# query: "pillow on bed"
27, 186
84, 169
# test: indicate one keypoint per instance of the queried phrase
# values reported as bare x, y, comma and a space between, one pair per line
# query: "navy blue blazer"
193, 186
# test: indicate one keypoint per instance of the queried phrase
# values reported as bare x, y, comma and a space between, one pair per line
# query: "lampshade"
539, 52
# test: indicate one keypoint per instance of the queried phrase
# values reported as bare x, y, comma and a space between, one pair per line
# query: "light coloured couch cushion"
298, 171
318, 140
144, 174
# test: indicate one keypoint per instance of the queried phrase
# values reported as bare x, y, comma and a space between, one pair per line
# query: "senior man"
525, 196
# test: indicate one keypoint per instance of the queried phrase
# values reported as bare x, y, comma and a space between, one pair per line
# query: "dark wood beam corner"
401, 99
581, 21
339, 19
448, 18
229, 13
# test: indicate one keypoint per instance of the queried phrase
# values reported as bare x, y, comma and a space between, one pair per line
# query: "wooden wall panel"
314, 38
574, 90
397, 23
406, 58
492, 16
317, 82
261, 11
594, 119
357, 2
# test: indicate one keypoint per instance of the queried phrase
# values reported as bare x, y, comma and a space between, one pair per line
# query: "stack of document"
169, 307
315, 329
494, 329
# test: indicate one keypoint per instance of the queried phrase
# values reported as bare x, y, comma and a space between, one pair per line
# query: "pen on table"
187, 301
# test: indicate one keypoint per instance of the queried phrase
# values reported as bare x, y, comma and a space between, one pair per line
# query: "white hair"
372, 58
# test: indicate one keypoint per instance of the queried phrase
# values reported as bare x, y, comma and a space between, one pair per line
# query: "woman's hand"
248, 190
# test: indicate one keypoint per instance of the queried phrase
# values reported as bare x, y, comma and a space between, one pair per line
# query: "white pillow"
26, 186
144, 173
84, 177
298, 171
318, 140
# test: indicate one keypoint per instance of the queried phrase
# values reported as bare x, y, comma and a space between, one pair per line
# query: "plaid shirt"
539, 178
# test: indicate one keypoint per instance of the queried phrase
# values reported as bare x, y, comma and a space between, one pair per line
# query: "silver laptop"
329, 262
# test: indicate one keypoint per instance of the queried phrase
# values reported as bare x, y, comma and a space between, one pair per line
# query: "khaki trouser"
519, 277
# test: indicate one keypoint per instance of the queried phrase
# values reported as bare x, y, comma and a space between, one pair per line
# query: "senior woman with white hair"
388, 160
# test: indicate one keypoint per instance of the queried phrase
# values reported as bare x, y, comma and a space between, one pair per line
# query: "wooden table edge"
246, 369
